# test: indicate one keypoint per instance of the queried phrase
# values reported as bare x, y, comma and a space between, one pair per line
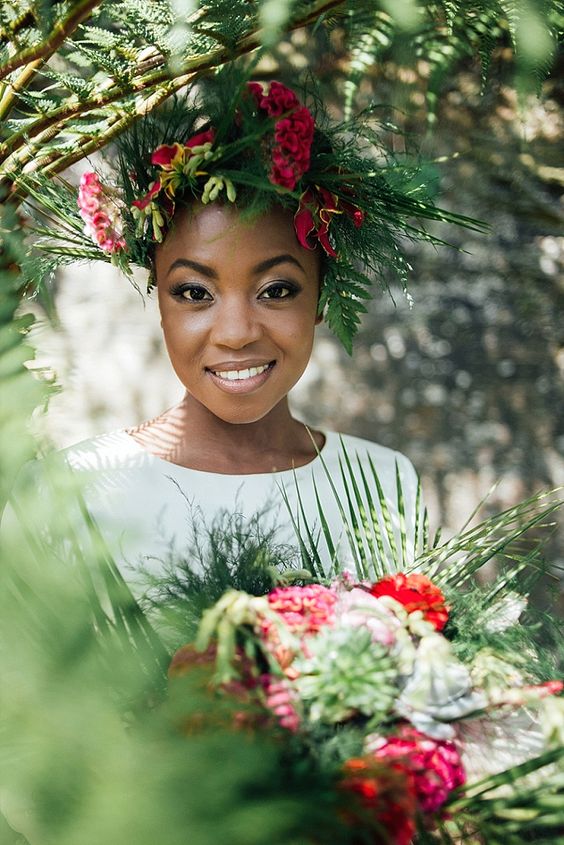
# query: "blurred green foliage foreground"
90, 749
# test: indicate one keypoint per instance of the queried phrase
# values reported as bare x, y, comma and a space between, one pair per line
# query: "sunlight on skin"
238, 305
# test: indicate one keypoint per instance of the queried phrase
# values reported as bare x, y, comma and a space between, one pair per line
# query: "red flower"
278, 100
201, 138
385, 800
151, 193
313, 217
415, 592
434, 764
291, 155
293, 134
164, 155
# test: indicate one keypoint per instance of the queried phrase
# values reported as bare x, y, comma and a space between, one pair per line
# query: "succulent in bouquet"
417, 691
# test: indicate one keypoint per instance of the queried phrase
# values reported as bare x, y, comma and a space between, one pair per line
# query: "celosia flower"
435, 764
385, 798
415, 592
293, 134
282, 699
305, 610
100, 214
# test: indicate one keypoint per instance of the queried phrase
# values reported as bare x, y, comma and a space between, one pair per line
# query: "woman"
255, 220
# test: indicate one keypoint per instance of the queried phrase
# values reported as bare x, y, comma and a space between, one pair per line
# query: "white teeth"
235, 375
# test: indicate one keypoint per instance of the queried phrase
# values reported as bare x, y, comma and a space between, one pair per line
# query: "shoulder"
115, 450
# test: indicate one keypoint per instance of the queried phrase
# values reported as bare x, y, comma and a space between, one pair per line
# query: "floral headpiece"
257, 147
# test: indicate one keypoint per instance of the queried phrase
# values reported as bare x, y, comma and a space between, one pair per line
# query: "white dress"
146, 507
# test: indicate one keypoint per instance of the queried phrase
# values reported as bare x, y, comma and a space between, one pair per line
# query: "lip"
246, 385
239, 365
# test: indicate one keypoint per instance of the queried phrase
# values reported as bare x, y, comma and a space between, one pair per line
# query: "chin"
240, 416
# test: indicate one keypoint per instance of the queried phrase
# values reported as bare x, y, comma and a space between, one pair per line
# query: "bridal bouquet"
418, 694
367, 677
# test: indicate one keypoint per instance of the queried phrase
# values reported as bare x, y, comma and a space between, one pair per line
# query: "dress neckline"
137, 448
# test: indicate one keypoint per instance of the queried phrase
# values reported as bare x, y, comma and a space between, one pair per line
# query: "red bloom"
385, 800
291, 155
278, 100
293, 134
201, 138
313, 217
149, 196
164, 154
415, 592
434, 764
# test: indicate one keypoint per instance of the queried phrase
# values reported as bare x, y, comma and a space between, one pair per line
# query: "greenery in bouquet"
420, 695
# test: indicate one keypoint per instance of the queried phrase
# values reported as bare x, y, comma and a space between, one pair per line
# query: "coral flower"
415, 592
385, 799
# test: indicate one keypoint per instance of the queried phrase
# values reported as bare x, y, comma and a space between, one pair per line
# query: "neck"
190, 435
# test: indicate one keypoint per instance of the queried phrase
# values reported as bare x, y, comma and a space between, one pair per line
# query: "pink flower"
280, 699
435, 764
100, 214
304, 609
356, 608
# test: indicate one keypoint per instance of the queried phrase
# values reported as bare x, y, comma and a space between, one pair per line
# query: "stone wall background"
468, 382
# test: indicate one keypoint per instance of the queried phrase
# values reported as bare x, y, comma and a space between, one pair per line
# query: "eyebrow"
262, 267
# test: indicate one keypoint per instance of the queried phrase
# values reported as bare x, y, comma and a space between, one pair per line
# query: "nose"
236, 324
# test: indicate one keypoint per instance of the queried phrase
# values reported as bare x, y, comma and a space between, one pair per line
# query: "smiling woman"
256, 221
239, 306
238, 303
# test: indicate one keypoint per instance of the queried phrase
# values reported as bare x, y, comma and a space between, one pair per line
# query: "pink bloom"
435, 764
304, 609
356, 608
280, 699
100, 214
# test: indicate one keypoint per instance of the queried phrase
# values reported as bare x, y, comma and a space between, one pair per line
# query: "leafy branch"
82, 9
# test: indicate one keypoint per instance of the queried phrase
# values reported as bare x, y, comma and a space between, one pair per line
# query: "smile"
244, 380
238, 375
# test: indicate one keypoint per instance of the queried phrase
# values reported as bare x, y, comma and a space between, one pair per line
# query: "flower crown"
194, 167
256, 147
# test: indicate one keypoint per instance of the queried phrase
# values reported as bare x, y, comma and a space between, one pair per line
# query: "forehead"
219, 234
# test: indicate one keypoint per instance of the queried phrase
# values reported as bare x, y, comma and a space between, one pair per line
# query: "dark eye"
279, 290
192, 293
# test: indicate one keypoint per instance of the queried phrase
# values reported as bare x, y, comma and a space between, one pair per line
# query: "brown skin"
222, 311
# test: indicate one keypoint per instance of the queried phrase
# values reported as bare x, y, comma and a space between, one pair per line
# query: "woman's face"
238, 304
